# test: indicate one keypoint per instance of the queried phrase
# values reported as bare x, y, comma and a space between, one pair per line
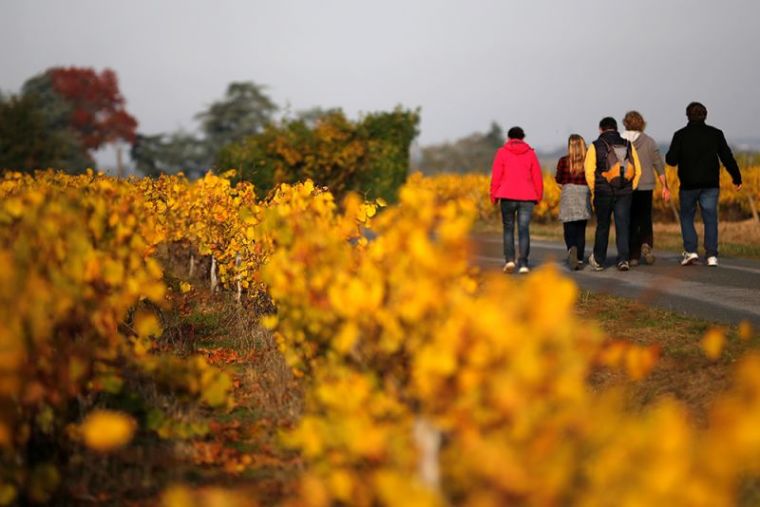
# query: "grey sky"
553, 67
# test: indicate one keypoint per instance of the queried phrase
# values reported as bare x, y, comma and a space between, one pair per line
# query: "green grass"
669, 240
737, 250
244, 414
683, 370
205, 323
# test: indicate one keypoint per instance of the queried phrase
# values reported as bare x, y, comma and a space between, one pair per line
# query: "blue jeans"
607, 205
708, 204
523, 210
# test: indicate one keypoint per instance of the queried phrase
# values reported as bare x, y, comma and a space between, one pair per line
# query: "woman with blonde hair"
574, 202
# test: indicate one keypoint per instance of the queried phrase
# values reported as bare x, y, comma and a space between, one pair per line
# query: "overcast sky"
553, 67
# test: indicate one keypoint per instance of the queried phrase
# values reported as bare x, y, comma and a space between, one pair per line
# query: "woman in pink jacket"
517, 183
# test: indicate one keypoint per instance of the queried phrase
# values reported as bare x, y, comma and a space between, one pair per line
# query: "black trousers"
575, 236
641, 222
607, 205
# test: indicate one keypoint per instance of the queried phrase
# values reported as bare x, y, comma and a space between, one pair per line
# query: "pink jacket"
516, 173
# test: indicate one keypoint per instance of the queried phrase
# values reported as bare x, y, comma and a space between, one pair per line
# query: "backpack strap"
628, 149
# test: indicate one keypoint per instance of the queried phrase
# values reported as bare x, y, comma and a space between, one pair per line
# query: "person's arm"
665, 189
659, 169
559, 174
538, 178
636, 167
728, 160
674, 152
589, 166
497, 171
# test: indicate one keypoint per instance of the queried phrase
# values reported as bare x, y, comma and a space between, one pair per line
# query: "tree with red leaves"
98, 112
61, 117
85, 105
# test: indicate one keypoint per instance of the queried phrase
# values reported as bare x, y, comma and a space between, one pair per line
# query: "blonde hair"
576, 153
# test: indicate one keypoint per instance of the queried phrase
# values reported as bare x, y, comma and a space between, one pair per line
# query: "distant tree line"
473, 153
240, 131
243, 111
63, 115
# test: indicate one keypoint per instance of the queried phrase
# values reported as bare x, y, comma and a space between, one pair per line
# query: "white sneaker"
689, 258
594, 264
712, 261
509, 267
524, 269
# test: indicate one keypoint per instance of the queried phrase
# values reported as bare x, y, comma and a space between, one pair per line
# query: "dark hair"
516, 133
696, 112
634, 121
608, 123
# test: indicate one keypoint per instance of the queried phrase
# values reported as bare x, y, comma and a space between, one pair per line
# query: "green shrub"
369, 156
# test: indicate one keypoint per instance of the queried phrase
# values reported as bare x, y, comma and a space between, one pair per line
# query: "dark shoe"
623, 266
646, 254
572, 258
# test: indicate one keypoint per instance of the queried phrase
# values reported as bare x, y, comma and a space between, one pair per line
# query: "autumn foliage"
60, 118
474, 187
369, 156
734, 205
426, 381
98, 111
77, 264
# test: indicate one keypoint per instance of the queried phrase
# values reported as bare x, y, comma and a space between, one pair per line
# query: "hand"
666, 194
738, 187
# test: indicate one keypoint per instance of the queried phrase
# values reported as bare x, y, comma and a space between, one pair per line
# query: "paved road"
729, 293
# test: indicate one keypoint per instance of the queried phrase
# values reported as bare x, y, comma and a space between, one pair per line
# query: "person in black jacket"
697, 150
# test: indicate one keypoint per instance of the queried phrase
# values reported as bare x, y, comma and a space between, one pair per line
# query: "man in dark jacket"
612, 170
697, 150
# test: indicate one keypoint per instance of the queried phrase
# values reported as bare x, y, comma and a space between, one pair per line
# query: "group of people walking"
615, 176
